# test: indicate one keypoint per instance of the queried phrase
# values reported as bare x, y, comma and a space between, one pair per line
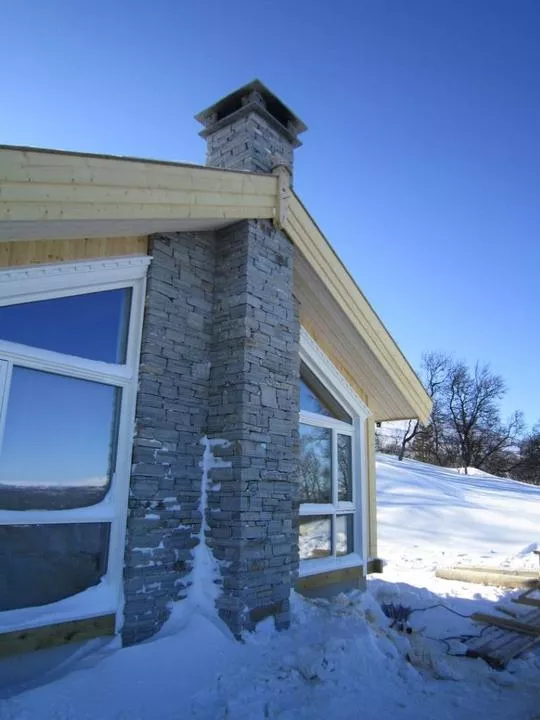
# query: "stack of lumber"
504, 638
489, 576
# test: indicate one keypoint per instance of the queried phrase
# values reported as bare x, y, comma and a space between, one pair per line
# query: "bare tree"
472, 401
526, 466
434, 373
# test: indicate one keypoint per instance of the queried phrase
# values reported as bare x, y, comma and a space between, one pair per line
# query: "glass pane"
315, 536
315, 398
344, 534
344, 459
59, 441
45, 563
315, 464
92, 326
309, 401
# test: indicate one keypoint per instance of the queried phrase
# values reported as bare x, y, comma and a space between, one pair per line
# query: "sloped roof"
46, 194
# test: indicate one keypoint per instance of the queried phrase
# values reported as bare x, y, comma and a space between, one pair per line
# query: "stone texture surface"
171, 415
219, 358
253, 403
249, 143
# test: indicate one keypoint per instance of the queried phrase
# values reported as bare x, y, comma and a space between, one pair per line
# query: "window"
59, 440
332, 424
92, 325
45, 563
69, 347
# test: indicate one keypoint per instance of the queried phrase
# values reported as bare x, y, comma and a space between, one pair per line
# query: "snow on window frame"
28, 284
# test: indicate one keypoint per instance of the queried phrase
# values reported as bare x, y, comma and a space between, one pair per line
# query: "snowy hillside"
340, 659
430, 516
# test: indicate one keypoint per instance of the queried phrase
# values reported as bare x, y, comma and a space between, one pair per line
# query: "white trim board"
33, 282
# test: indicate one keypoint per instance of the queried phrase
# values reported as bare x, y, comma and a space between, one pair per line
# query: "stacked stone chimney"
219, 362
250, 129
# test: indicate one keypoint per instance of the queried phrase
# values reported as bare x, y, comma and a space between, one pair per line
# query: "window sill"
96, 601
325, 565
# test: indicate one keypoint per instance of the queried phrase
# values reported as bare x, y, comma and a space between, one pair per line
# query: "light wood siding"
327, 582
23, 641
52, 195
372, 488
49, 186
393, 388
37, 252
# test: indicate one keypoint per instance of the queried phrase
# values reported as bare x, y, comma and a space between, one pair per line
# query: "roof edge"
398, 368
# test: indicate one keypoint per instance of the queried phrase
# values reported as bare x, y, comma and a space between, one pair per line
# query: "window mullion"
68, 365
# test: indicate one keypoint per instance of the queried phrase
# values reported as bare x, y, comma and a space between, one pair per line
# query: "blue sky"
422, 159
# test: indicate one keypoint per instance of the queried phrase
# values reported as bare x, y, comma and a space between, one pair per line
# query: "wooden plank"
529, 574
498, 645
499, 650
352, 576
507, 623
486, 577
332, 328
533, 602
314, 246
36, 252
31, 192
39, 211
21, 641
19, 166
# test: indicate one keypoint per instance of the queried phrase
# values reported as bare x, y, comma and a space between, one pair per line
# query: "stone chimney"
250, 129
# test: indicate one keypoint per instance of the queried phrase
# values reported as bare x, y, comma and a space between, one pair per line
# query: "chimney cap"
253, 96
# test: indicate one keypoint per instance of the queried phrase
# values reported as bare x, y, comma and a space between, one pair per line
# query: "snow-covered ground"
339, 659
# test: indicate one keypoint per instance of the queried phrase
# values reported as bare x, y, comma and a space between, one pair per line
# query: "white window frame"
337, 386
43, 282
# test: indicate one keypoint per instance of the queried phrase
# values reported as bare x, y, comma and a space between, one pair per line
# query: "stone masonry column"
253, 404
165, 489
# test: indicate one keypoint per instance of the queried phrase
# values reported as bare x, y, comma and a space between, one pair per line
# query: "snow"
99, 481
341, 658
97, 600
204, 580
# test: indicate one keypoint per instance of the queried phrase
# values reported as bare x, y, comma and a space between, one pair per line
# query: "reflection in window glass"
93, 326
315, 398
59, 441
344, 534
315, 464
344, 466
45, 563
315, 536
311, 402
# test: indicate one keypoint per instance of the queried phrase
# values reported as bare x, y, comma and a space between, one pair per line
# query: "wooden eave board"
332, 329
48, 194
48, 186
320, 256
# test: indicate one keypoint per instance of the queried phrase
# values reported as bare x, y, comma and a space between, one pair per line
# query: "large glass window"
93, 325
59, 443
329, 480
316, 468
45, 563
65, 433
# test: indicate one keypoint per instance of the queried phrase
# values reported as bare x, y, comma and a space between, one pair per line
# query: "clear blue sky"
422, 159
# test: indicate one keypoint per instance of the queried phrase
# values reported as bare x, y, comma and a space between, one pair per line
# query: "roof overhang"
48, 194
337, 314
53, 194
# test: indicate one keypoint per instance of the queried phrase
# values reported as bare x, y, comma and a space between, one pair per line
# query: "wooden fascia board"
40, 186
316, 249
